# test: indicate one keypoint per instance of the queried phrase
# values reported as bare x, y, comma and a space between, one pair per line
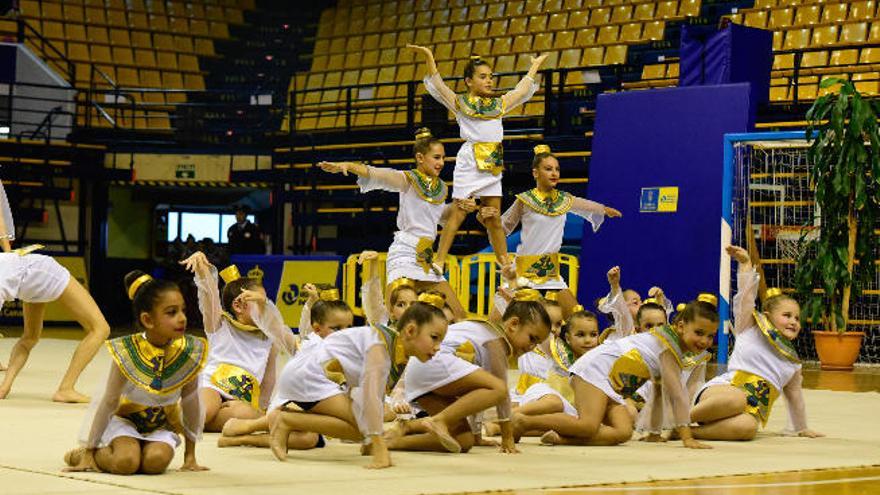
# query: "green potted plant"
840, 262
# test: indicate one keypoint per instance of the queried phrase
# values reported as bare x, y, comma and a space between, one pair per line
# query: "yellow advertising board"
294, 275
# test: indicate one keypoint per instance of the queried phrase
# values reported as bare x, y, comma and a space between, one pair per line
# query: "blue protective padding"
660, 138
734, 54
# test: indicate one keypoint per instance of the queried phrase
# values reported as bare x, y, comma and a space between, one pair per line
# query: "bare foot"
366, 449
516, 424
551, 438
442, 433
73, 457
224, 441
70, 397
491, 429
395, 431
278, 439
235, 427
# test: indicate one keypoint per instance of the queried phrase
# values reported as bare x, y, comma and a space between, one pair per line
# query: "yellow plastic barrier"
480, 276
353, 279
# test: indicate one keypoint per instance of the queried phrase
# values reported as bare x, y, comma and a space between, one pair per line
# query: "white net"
774, 213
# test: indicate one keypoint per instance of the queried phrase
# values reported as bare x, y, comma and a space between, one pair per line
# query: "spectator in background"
245, 237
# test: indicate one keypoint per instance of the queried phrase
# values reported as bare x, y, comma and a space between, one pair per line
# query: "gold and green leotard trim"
239, 325
552, 205
779, 342
394, 346
159, 370
670, 339
497, 330
561, 352
431, 189
478, 107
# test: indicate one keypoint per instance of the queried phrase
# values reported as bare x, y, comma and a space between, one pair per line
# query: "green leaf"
831, 81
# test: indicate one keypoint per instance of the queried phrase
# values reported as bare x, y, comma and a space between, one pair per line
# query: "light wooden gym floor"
37, 432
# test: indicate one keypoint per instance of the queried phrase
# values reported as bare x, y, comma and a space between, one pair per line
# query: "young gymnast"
479, 162
763, 363
542, 212
604, 378
467, 376
337, 387
37, 280
326, 314
323, 313
422, 207
628, 312
245, 331
387, 309
554, 394
152, 390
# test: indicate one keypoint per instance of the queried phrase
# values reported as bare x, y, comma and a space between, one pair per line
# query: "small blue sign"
650, 199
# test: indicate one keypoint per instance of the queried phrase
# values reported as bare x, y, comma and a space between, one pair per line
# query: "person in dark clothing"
245, 237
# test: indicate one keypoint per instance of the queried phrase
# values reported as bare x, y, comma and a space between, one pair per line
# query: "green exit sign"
186, 171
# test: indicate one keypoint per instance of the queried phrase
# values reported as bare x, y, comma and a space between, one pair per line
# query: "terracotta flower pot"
838, 351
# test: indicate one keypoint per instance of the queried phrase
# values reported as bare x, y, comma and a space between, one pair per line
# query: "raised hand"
537, 61
255, 296
739, 254
311, 292
366, 256
422, 49
614, 278
197, 263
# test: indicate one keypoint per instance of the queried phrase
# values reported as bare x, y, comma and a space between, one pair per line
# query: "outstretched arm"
615, 305
372, 299
208, 289
747, 282
433, 81
525, 88
498, 366
797, 408
674, 390
592, 211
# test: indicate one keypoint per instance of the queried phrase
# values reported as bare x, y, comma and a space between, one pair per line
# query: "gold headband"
708, 298
402, 282
541, 148
230, 274
551, 296
329, 295
424, 134
475, 58
681, 307
435, 300
651, 300
138, 282
772, 292
526, 295
577, 308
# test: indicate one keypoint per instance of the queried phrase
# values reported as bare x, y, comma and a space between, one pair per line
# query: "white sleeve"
305, 320
385, 179
7, 227
615, 305
674, 390
192, 412
209, 299
440, 91
511, 218
797, 408
269, 320
498, 367
744, 301
368, 398
590, 211
523, 92
373, 302
101, 409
